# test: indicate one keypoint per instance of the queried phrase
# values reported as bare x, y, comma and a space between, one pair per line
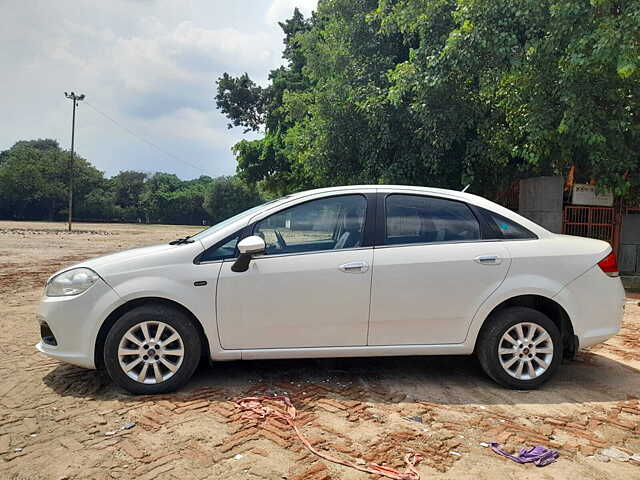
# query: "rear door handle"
488, 260
354, 267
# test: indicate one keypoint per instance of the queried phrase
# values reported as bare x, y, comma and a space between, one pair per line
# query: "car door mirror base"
242, 263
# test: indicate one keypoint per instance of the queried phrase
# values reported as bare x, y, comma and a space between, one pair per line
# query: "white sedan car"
340, 272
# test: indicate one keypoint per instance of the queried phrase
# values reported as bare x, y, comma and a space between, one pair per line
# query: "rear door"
432, 271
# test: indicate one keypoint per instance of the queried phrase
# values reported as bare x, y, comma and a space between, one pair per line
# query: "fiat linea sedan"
340, 272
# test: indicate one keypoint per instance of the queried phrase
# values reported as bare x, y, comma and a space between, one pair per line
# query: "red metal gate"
592, 222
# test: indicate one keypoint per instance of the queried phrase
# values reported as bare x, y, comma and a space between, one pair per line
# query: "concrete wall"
541, 201
629, 254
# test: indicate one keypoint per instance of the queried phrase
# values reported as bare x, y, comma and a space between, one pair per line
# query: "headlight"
71, 282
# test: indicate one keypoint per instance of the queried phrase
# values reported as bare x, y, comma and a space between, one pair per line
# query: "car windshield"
219, 226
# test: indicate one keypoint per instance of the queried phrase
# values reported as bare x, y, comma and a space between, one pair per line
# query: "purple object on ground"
540, 456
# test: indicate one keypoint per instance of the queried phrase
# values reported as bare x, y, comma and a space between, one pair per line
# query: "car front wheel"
520, 348
152, 349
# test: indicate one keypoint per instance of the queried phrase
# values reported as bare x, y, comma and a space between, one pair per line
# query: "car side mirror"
248, 247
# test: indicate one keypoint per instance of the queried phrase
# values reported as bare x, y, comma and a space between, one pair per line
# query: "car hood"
126, 255
138, 257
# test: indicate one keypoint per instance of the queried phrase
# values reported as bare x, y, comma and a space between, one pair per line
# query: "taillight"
609, 265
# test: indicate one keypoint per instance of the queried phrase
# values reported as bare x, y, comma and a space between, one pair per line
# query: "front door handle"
488, 260
354, 267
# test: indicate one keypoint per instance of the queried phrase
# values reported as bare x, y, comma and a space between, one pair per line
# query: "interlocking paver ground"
58, 421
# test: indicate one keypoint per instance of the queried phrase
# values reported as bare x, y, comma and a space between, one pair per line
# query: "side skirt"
334, 352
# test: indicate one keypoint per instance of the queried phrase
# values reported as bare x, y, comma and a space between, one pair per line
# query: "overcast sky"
150, 65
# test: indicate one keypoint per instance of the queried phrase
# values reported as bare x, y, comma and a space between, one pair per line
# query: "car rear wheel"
152, 349
520, 348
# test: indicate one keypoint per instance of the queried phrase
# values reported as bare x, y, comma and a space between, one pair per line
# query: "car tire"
520, 348
152, 349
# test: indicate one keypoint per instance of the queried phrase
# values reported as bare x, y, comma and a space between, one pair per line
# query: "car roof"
383, 188
438, 192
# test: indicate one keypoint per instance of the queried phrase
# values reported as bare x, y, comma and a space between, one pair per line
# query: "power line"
142, 139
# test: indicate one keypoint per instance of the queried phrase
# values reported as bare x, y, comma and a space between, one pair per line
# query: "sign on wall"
584, 194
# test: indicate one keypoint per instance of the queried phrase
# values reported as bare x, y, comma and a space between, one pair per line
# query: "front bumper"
74, 323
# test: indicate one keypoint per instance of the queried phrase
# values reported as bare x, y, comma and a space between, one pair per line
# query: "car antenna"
465, 188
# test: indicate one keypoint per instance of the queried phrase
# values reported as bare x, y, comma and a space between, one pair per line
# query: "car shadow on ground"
448, 380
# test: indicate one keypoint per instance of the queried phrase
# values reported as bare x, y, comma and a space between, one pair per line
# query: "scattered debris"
616, 454
540, 456
38, 231
416, 419
601, 458
128, 426
283, 409
484, 444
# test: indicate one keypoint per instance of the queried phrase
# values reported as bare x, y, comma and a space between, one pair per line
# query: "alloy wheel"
151, 352
525, 351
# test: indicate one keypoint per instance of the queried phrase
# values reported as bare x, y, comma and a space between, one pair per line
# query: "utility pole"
76, 99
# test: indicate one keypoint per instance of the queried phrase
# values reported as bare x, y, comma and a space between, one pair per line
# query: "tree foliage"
227, 196
242, 101
445, 93
34, 179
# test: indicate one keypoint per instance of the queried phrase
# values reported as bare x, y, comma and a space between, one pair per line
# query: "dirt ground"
62, 422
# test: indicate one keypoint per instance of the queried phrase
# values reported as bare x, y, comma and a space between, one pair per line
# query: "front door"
432, 272
312, 286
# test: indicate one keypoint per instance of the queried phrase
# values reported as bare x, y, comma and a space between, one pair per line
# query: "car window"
324, 224
502, 227
420, 219
221, 251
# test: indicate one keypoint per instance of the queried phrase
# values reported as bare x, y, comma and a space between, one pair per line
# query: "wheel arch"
549, 307
137, 302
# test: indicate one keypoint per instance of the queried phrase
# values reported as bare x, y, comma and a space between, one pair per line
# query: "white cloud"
151, 65
280, 10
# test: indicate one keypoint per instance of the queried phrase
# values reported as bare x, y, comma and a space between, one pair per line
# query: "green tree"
548, 83
227, 196
98, 204
250, 106
446, 92
156, 189
34, 179
167, 199
128, 187
34, 185
242, 101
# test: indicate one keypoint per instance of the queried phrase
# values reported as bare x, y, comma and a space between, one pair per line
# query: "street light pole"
75, 98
